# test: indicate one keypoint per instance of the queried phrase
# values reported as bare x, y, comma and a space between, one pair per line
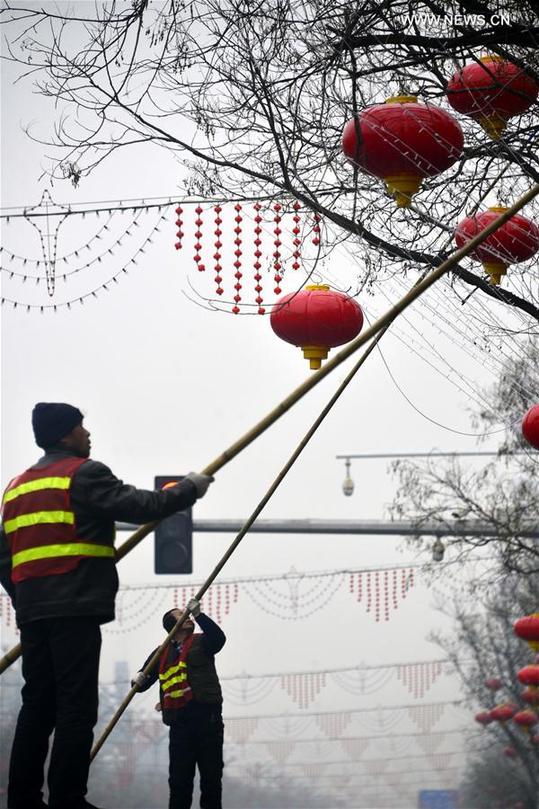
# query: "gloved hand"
201, 482
194, 607
140, 680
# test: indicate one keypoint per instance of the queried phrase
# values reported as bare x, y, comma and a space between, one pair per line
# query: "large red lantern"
525, 719
530, 428
493, 683
316, 319
527, 628
484, 718
529, 675
502, 713
515, 241
510, 752
491, 91
402, 142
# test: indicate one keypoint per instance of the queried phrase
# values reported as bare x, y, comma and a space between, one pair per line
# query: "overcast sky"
167, 385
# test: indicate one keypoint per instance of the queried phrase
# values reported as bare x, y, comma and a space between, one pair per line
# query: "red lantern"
515, 241
510, 752
502, 713
531, 695
529, 675
525, 719
402, 142
484, 718
491, 91
530, 428
493, 683
316, 319
535, 738
527, 628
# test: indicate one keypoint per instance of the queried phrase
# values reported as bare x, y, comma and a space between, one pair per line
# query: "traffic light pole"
529, 529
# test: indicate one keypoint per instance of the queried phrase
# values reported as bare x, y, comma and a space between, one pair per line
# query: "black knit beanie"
169, 621
52, 421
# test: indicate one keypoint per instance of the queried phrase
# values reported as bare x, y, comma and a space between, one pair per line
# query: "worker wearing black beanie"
52, 421
58, 564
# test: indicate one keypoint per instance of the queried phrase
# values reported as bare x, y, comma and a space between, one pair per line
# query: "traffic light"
173, 544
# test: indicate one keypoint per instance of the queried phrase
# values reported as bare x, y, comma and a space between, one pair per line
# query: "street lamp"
438, 550
348, 483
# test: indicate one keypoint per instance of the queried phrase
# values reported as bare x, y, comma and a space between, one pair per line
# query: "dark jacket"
201, 673
98, 499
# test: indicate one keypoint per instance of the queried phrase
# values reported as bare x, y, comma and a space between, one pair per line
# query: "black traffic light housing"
173, 544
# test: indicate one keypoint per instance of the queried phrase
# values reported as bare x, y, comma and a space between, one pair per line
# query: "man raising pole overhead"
57, 562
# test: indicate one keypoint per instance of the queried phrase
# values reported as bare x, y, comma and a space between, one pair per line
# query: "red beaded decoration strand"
258, 253
277, 266
218, 244
179, 223
316, 229
198, 236
237, 252
296, 255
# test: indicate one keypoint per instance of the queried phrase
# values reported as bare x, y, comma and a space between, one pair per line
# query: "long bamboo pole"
248, 523
317, 376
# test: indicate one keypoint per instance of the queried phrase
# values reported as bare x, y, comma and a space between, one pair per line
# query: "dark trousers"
60, 663
197, 740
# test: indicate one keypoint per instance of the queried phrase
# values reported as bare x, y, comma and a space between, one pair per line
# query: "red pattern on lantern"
530, 427
491, 92
515, 241
527, 628
179, 223
402, 142
316, 319
218, 244
198, 236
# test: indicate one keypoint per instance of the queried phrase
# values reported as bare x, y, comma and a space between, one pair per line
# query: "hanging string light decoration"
362, 584
316, 319
491, 91
258, 255
218, 245
402, 142
199, 222
277, 266
303, 688
517, 240
282, 238
418, 678
237, 263
48, 219
426, 716
179, 232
